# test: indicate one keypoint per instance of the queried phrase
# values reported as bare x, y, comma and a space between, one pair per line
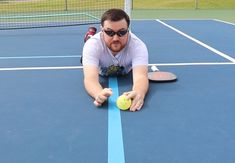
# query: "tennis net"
19, 14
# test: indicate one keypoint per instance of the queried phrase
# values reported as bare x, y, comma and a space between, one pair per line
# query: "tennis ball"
123, 103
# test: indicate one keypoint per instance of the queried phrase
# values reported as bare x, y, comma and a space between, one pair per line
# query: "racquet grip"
154, 68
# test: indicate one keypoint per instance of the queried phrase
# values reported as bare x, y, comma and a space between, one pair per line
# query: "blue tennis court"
46, 116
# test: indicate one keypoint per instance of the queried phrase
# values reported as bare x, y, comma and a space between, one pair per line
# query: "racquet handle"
154, 68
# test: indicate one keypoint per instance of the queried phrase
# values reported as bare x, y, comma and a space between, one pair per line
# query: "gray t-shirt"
96, 53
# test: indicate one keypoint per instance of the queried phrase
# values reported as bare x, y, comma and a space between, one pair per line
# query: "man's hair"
115, 15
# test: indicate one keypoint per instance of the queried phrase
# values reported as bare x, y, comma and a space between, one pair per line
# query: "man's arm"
93, 86
140, 87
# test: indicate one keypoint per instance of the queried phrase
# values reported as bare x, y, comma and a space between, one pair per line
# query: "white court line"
193, 64
80, 67
222, 21
193, 19
40, 68
41, 57
199, 42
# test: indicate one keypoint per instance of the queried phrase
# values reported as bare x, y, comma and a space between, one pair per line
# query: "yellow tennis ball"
123, 103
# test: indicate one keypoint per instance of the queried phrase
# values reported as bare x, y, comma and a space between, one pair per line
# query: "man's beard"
116, 46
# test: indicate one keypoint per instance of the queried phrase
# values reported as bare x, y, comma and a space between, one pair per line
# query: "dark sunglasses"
120, 33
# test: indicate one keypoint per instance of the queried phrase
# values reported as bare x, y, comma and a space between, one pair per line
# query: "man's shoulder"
95, 40
97, 36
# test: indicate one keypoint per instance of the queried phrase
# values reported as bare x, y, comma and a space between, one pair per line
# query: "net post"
127, 7
196, 4
66, 5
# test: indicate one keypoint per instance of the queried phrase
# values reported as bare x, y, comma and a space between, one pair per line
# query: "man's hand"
140, 87
102, 96
137, 100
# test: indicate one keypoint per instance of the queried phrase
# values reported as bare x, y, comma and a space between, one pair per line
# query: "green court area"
184, 9
225, 15
183, 4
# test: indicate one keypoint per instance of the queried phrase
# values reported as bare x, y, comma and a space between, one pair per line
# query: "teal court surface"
47, 117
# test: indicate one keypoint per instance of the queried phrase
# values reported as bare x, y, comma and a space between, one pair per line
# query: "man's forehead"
115, 24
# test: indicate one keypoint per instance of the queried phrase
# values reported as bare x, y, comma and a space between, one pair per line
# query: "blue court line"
115, 139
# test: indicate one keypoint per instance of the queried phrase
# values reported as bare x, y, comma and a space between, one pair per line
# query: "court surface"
47, 117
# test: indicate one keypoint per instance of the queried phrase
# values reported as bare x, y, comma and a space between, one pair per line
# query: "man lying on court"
115, 51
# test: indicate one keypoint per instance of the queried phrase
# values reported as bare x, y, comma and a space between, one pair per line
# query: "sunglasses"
120, 33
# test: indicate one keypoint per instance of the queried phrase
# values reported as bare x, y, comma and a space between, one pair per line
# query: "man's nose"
115, 37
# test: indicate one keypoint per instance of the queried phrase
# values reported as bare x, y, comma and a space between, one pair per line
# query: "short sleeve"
139, 52
91, 53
